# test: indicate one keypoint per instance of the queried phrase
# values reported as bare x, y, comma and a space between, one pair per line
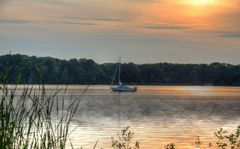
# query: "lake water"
157, 114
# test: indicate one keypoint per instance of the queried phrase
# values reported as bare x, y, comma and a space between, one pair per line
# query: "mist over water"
157, 114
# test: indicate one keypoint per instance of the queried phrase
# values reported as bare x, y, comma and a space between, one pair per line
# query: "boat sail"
121, 87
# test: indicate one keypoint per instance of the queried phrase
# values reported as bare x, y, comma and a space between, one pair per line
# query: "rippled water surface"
157, 114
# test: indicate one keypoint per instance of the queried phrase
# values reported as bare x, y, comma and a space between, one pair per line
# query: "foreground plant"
124, 140
35, 119
226, 139
170, 146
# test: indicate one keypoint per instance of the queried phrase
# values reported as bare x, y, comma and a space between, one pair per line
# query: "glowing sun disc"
200, 2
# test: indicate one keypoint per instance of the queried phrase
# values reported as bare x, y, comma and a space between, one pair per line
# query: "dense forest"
25, 69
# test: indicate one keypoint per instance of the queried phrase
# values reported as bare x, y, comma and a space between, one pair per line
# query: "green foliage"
84, 71
198, 144
170, 146
124, 140
26, 120
228, 139
225, 140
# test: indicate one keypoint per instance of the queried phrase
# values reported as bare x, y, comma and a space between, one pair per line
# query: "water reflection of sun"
197, 90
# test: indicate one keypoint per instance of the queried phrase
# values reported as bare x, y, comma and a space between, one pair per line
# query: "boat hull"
120, 89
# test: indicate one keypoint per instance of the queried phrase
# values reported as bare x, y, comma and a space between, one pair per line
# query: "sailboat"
121, 87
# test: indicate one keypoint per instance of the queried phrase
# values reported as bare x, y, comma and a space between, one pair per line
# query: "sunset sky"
140, 31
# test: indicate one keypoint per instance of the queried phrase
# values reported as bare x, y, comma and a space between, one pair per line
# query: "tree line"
31, 70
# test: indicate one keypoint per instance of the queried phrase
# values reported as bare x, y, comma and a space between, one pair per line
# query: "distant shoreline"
23, 69
116, 84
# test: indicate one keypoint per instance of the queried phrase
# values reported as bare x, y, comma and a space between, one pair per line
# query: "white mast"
119, 72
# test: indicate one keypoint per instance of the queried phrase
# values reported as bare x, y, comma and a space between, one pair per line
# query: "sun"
201, 2
201, 8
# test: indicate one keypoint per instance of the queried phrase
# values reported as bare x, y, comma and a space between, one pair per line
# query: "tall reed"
34, 118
